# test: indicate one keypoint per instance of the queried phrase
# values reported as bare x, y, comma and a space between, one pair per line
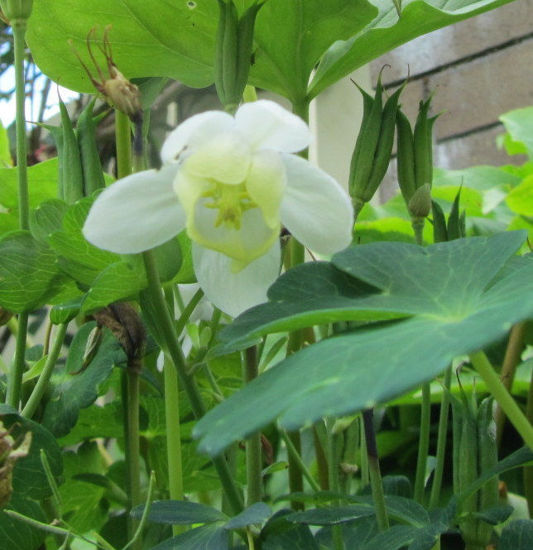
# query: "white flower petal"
267, 125
266, 183
225, 158
232, 292
315, 208
136, 213
195, 131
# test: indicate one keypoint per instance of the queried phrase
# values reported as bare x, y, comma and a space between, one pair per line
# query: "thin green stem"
14, 382
292, 452
188, 310
376, 483
503, 397
528, 470
442, 436
123, 144
511, 360
170, 337
38, 391
423, 443
333, 478
418, 228
253, 443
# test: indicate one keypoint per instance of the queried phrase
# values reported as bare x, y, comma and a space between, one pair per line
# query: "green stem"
168, 329
19, 33
14, 382
418, 228
123, 144
376, 483
38, 391
511, 360
333, 478
502, 396
441, 440
423, 443
133, 447
293, 452
253, 443
173, 435
528, 470
188, 310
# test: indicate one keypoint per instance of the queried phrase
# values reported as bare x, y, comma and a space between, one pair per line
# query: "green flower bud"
234, 45
16, 10
419, 205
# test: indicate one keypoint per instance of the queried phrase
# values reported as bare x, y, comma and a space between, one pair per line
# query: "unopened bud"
16, 10
420, 203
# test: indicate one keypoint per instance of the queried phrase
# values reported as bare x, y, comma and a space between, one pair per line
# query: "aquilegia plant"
231, 182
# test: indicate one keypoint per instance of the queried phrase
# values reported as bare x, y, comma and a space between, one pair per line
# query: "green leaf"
47, 218
520, 199
75, 386
80, 259
292, 36
42, 185
5, 154
207, 537
29, 276
519, 124
398, 536
330, 515
29, 477
463, 295
517, 535
280, 534
175, 40
17, 534
388, 31
180, 512
255, 514
496, 515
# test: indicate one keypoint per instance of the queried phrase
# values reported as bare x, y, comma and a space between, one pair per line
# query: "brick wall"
478, 69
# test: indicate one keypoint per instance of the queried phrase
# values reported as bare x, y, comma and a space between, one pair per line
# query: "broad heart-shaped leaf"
377, 282
29, 276
154, 38
463, 295
177, 39
387, 31
75, 386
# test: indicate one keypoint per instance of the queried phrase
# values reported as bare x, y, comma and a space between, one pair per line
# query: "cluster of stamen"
231, 201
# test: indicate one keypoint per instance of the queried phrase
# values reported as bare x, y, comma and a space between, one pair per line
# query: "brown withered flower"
10, 451
115, 88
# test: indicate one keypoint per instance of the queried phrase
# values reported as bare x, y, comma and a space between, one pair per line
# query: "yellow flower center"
231, 201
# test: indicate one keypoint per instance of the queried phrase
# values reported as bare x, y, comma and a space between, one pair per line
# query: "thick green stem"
418, 228
441, 440
19, 33
253, 443
503, 397
423, 443
38, 391
132, 447
376, 483
123, 144
173, 435
168, 329
14, 382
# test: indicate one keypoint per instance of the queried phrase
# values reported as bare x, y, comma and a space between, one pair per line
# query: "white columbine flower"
231, 182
